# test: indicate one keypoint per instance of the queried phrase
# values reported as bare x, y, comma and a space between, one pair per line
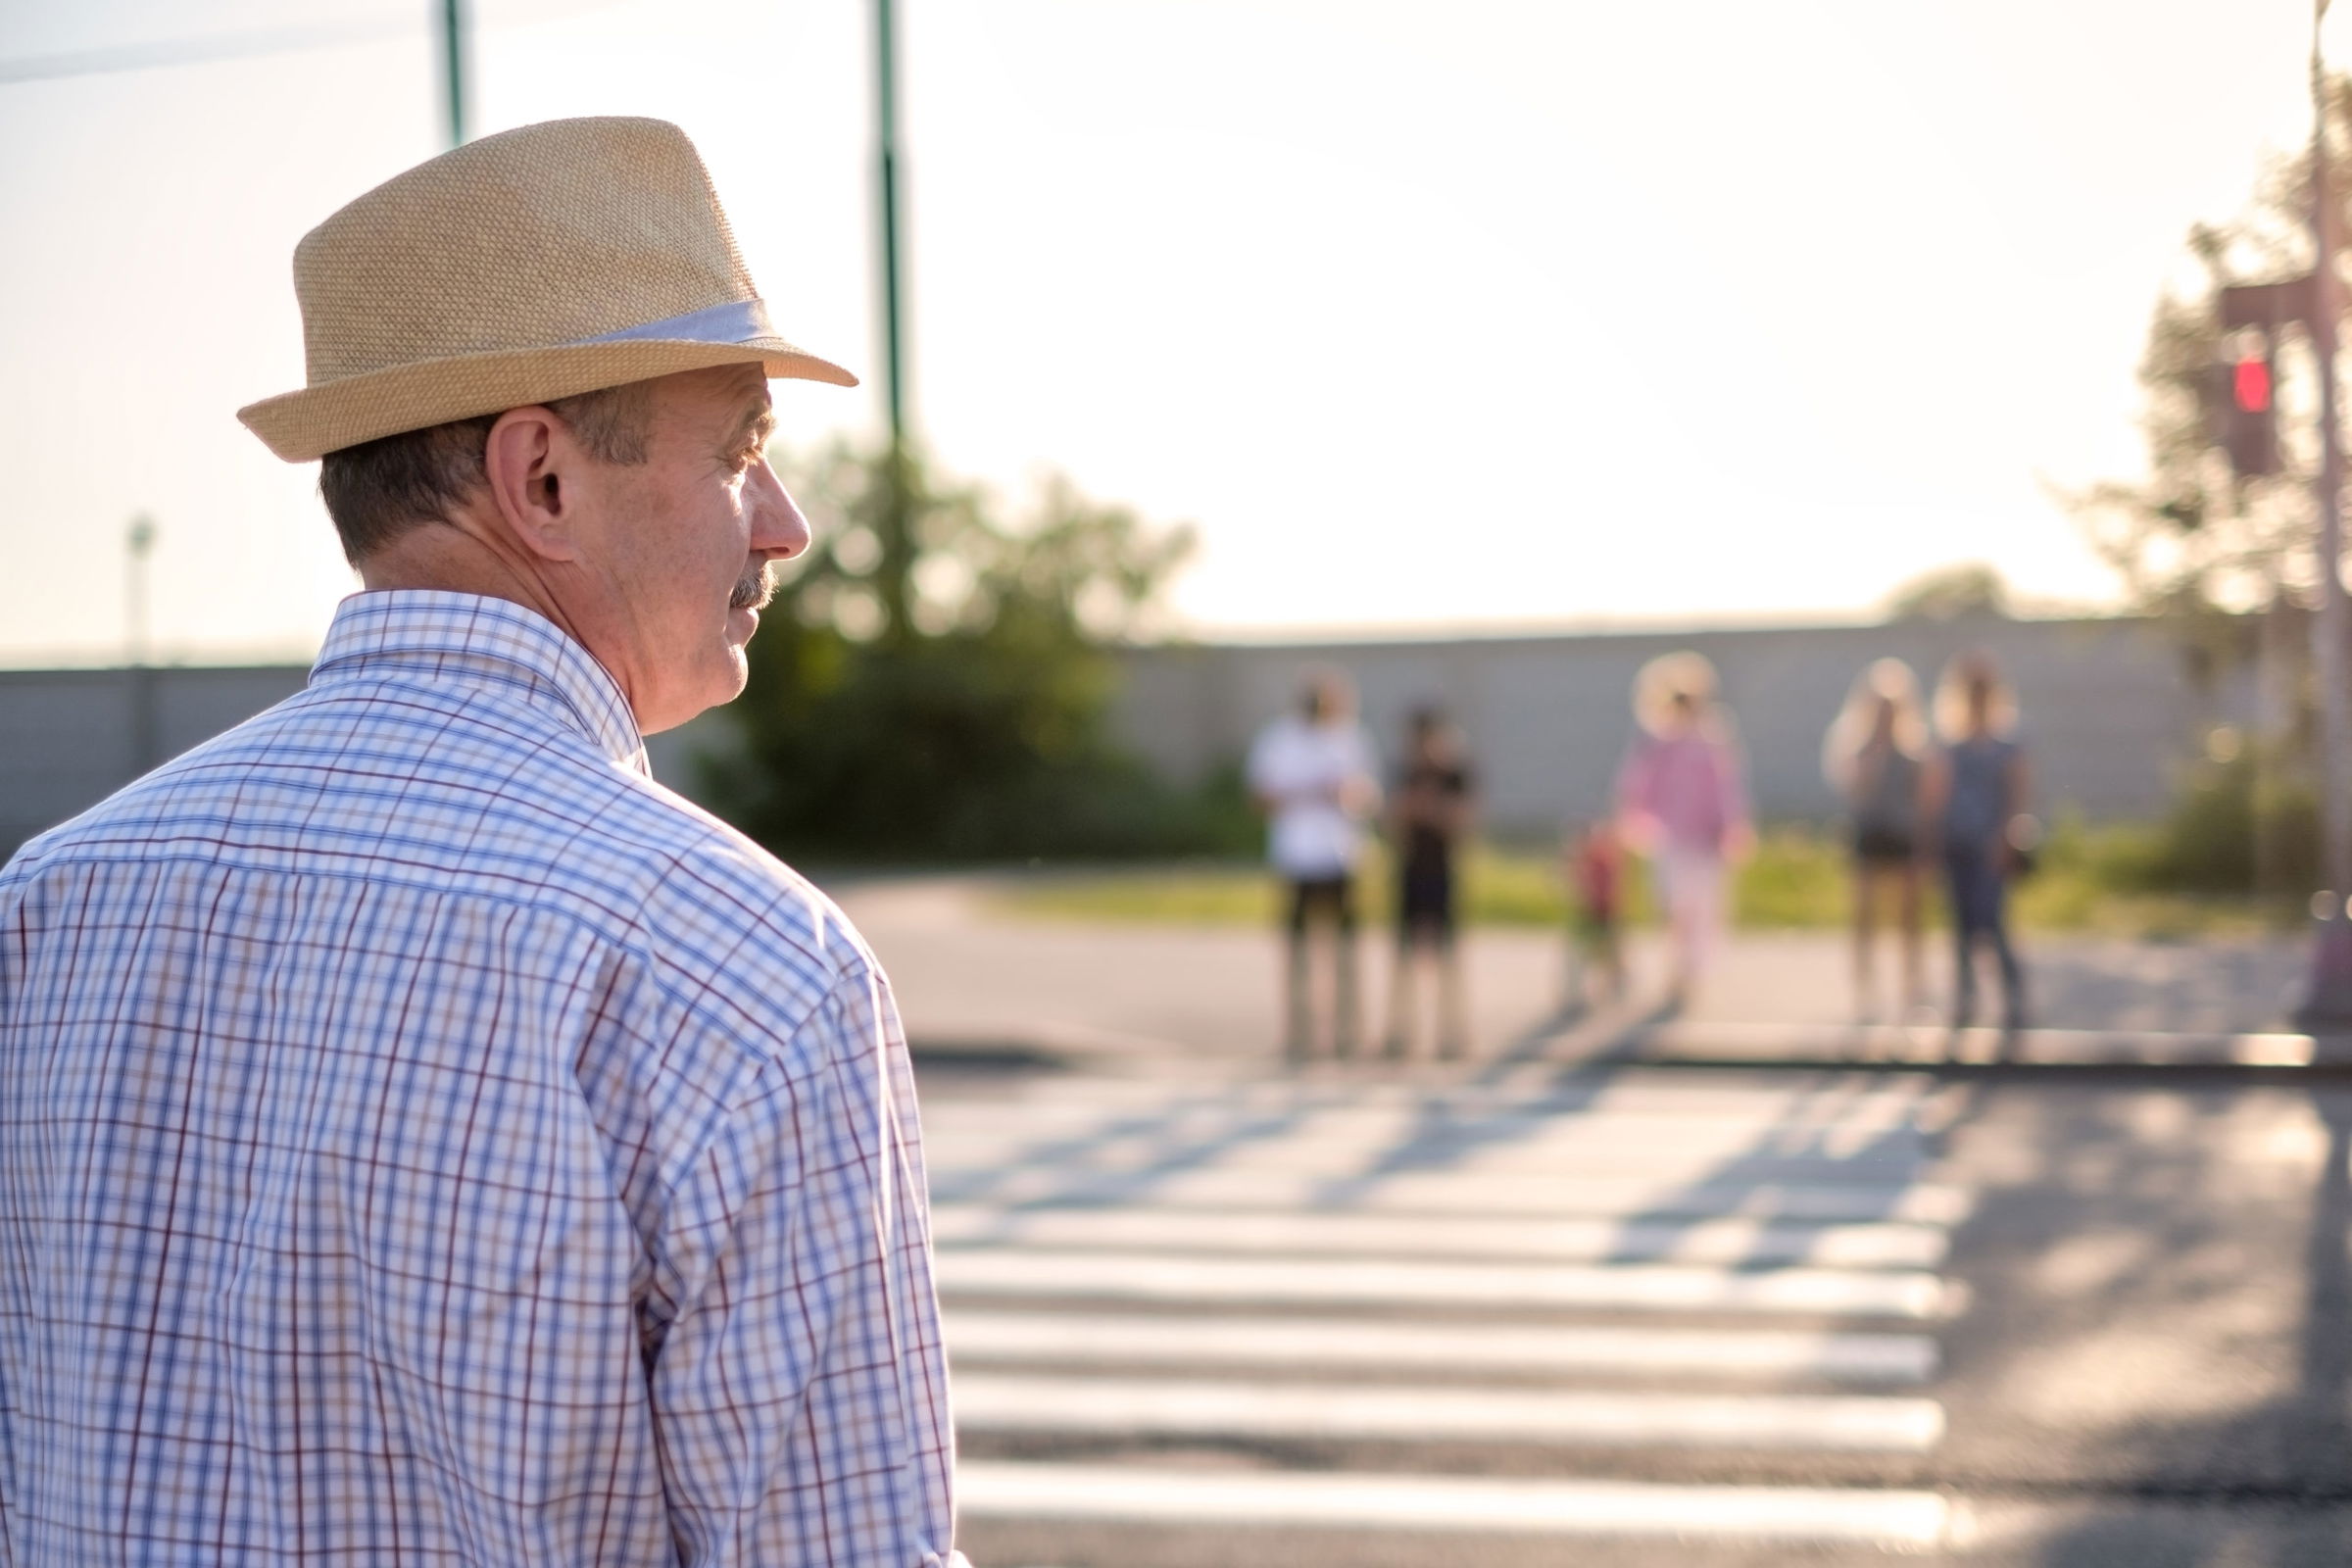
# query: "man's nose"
778, 529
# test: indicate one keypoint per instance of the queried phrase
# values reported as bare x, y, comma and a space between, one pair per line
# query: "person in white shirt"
1315, 776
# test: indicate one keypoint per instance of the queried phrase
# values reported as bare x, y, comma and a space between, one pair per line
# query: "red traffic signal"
2241, 412
2250, 385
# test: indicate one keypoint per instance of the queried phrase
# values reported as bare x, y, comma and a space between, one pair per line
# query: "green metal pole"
886, 112
452, 56
896, 530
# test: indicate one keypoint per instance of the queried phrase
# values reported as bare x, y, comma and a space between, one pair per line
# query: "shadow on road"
2135, 1285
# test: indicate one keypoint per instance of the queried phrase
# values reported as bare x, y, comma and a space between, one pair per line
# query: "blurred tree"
1967, 589
973, 726
2201, 548
2190, 541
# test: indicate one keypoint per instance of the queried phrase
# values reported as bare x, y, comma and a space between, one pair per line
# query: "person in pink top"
1682, 801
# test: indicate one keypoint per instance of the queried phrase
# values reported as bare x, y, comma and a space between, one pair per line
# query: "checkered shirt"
424, 1139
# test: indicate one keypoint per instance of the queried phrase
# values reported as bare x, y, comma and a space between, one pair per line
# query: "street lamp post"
138, 543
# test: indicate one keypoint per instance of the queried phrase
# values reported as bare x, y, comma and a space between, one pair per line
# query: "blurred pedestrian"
1592, 863
1682, 801
1976, 800
427, 1138
1430, 815
1875, 756
1314, 775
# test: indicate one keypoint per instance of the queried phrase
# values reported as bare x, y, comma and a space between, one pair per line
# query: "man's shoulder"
472, 800
713, 895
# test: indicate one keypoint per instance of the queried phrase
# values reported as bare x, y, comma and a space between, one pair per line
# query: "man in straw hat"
423, 1137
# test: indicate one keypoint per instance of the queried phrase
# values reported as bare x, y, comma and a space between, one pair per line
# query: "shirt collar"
481, 641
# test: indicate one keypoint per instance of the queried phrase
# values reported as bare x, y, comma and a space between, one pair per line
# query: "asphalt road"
1562, 1312
1559, 1306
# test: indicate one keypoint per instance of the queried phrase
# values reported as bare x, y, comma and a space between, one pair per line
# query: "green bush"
2233, 829
1796, 877
954, 706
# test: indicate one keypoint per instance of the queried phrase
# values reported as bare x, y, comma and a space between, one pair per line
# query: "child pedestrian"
1594, 859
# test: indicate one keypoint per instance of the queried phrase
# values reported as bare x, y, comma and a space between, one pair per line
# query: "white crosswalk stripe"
1206, 1407
1632, 1261
1446, 1193
1103, 1340
1336, 1159
1737, 1239
1455, 1505
1129, 1275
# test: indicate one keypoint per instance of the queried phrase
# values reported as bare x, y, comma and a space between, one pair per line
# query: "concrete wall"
68, 738
2109, 710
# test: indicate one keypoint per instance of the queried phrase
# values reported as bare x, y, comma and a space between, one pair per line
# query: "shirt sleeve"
800, 1389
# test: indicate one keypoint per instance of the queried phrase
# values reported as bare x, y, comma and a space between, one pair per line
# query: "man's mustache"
753, 589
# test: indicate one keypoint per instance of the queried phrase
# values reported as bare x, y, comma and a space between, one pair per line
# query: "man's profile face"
681, 543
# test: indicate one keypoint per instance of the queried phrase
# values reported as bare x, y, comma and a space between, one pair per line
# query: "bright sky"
1426, 313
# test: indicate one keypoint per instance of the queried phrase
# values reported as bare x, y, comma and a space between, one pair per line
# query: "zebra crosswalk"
1361, 1294
1095, 1340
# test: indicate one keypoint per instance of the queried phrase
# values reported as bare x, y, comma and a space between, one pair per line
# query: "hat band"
735, 322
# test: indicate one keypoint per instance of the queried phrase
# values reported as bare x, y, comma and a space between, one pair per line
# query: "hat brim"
299, 427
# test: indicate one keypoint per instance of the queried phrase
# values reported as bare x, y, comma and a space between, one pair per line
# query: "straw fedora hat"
533, 265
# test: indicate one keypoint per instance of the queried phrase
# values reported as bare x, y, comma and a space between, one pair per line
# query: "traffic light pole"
886, 160
2329, 1002
893, 578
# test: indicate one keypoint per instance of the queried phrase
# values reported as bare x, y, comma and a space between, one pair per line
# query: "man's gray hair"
379, 490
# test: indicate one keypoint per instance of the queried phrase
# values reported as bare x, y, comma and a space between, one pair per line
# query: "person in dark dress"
1429, 820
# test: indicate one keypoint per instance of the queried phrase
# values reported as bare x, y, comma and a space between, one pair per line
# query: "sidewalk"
970, 977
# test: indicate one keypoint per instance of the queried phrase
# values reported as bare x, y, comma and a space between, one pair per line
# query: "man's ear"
529, 462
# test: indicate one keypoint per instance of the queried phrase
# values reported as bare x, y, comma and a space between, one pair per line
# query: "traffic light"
2241, 403
2250, 385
